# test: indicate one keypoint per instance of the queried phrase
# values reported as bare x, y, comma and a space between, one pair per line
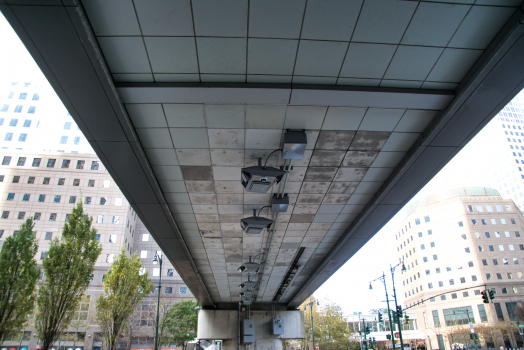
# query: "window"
52, 217
479, 208
501, 247
435, 257
43, 255
76, 182
16, 179
31, 180
112, 238
505, 261
467, 250
454, 296
484, 262
65, 163
37, 216
508, 207
489, 208
21, 161
6, 160
8, 136
458, 316
61, 181
36, 162
451, 282
5, 215
499, 276
97, 237
26, 197
57, 198
67, 126
63, 140
506, 233
498, 207
169, 290
100, 219
473, 221
105, 184
80, 164
426, 219
481, 249
461, 224
473, 278
22, 137
36, 97
495, 262
521, 246
470, 263
498, 309
425, 259
21, 215
517, 234
432, 244
503, 221
422, 247
156, 272
183, 290
470, 208
420, 234
118, 202
76, 140
41, 198
145, 237
94, 165
482, 313
511, 247
510, 276
88, 200
116, 220
13, 122
491, 249
27, 123
515, 261
10, 196
143, 254
91, 183
488, 276
504, 290
170, 272
462, 280
48, 236
18, 109
51, 163
72, 200
31, 110
513, 222
4, 108
103, 201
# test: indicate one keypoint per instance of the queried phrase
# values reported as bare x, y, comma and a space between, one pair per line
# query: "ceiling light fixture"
259, 179
255, 224
249, 267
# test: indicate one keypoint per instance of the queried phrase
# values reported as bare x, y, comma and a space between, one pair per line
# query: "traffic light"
399, 312
471, 336
406, 319
485, 299
388, 336
397, 334
491, 294
368, 330
380, 318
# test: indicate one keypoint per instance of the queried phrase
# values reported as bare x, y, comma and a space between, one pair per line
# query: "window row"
95, 164
489, 208
60, 182
491, 248
76, 141
452, 281
508, 274
9, 137
505, 261
497, 234
405, 228
58, 199
101, 219
448, 269
18, 109
14, 122
23, 95
484, 222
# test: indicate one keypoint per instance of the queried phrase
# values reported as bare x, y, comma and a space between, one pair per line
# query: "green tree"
181, 322
68, 269
124, 289
18, 276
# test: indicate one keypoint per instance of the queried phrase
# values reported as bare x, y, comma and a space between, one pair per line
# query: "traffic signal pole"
396, 308
389, 312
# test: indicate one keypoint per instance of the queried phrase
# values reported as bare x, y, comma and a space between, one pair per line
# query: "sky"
349, 287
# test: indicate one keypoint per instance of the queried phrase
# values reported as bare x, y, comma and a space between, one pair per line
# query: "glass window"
503, 221
479, 208
48, 236
21, 215
498, 309
91, 183
76, 182
63, 140
481, 249
36, 162
511, 247
37, 216
100, 219
76, 140
417, 221
484, 262
80, 164
27, 123
88, 200
451, 282
41, 198
18, 109
470, 208
103, 201
94, 165
46, 181
116, 220
183, 290
22, 137
16, 179
52, 217
461, 224
6, 160
51, 163
5, 214
170, 272
145, 237
31, 180
488, 276
72, 199
36, 97
143, 254
65, 163
31, 110
10, 196
432, 244
435, 257
501, 247
4, 108
67, 126
118, 202
61, 181
169, 290
26, 197
467, 250
462, 280
483, 221
21, 161
498, 207
13, 122
105, 184
57, 199
23, 96
489, 208
497, 234
473, 278
473, 221
112, 238
8, 136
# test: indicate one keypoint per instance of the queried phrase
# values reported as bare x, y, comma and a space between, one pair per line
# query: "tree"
18, 273
165, 303
124, 288
68, 270
181, 322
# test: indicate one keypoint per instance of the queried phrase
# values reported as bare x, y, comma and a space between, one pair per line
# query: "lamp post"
383, 280
395, 298
312, 327
158, 259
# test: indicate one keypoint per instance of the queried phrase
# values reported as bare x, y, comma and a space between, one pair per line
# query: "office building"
455, 245
43, 175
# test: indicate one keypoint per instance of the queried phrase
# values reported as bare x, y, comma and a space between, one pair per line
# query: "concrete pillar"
224, 325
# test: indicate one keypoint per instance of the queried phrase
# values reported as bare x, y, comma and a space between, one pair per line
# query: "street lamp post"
395, 298
383, 280
158, 259
312, 328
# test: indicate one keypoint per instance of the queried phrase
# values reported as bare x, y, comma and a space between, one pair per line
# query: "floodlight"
259, 179
249, 267
247, 293
255, 224
249, 285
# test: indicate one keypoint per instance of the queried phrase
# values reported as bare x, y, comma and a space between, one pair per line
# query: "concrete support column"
225, 325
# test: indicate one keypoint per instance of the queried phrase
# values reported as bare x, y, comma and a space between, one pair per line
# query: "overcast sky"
349, 287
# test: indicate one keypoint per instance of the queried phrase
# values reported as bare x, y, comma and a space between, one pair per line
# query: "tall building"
509, 126
43, 175
454, 245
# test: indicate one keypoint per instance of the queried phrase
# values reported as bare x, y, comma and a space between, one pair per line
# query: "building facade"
455, 245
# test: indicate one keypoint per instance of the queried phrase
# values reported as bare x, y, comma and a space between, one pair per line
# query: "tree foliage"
18, 276
181, 322
124, 289
68, 269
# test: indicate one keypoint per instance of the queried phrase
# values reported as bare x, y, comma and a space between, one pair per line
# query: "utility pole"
396, 305
383, 280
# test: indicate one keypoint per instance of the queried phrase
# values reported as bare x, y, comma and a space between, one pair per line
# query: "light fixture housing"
250, 268
247, 293
259, 179
246, 301
295, 143
249, 285
255, 224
